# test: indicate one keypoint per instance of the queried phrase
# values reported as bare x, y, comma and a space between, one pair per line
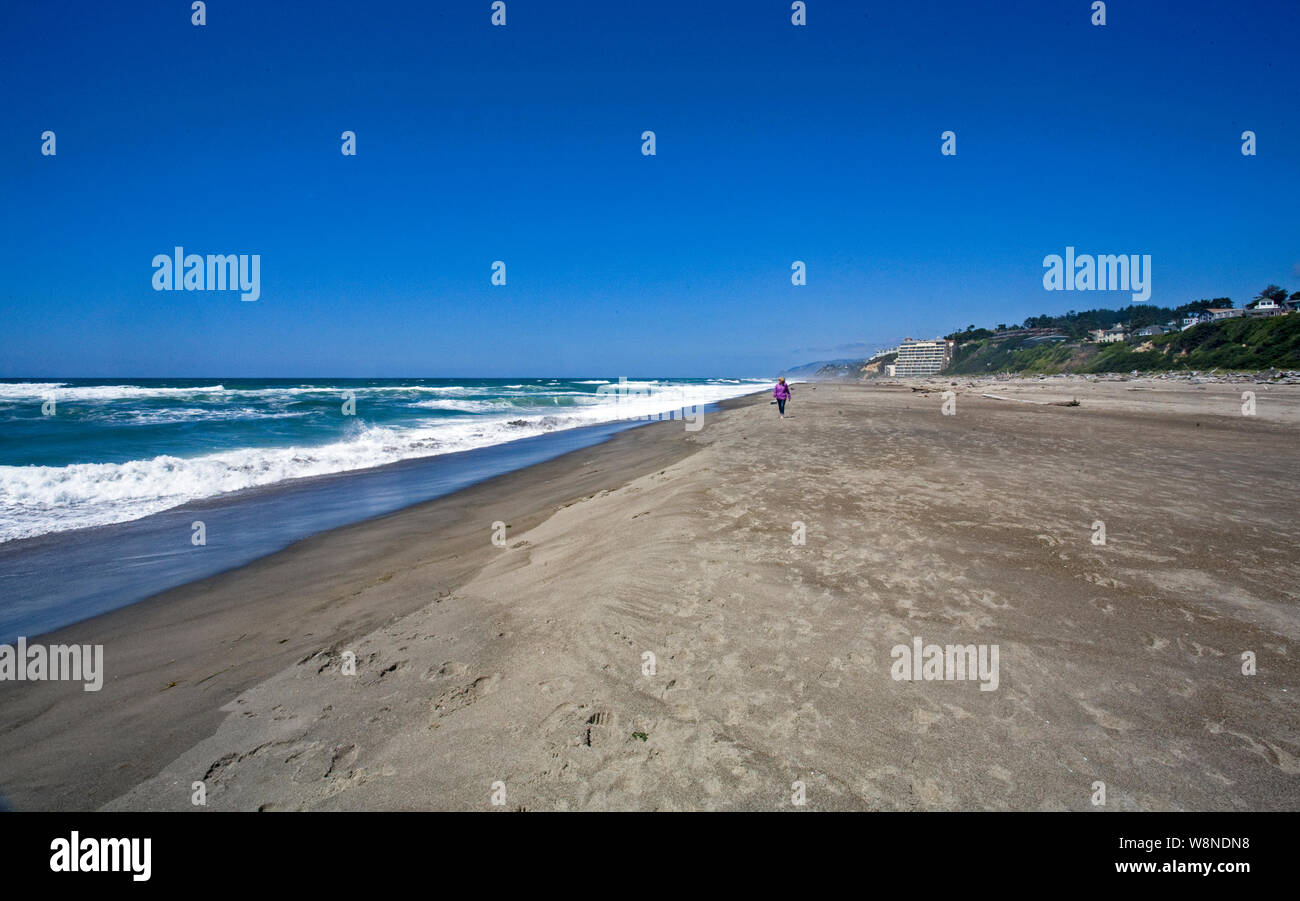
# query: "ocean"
112, 451
102, 480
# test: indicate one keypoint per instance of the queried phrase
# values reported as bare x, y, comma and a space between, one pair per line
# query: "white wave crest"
39, 499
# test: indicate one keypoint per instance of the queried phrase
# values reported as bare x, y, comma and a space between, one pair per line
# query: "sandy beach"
654, 636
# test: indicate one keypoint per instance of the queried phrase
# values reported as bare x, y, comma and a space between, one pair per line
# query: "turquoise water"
82, 452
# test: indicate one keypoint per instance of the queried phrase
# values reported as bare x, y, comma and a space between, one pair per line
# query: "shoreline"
525, 664
219, 650
136, 559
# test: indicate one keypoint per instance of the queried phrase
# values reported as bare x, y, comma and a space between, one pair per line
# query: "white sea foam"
61, 391
39, 499
39, 391
465, 405
197, 414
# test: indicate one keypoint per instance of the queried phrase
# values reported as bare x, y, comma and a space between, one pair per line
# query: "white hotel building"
922, 357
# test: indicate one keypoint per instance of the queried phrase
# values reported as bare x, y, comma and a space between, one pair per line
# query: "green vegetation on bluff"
986, 356
1243, 343
1269, 343
1076, 324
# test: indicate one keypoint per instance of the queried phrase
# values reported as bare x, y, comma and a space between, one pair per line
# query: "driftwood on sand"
1042, 403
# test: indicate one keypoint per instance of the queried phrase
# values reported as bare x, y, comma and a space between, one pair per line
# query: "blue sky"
476, 143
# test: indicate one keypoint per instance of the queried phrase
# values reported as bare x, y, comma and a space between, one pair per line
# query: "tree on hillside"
1198, 306
1140, 316
1076, 324
970, 334
1272, 292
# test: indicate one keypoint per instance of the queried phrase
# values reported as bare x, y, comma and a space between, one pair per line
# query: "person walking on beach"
782, 394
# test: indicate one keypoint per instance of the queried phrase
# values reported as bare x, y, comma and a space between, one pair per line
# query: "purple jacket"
782, 391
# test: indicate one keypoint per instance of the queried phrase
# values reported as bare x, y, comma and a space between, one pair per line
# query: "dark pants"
780, 405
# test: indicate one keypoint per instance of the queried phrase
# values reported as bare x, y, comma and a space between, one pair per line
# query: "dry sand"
523, 665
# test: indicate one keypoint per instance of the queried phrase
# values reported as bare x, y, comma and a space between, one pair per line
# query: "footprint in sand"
597, 728
1105, 718
1155, 642
443, 670
1277, 756
465, 695
387, 671
1103, 581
